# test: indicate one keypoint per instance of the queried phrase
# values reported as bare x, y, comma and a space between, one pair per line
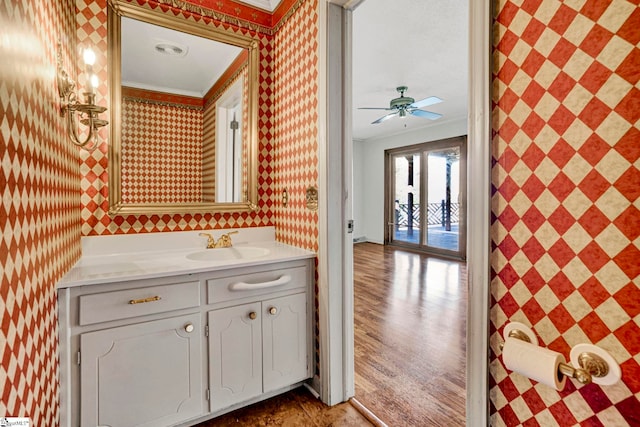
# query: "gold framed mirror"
176, 148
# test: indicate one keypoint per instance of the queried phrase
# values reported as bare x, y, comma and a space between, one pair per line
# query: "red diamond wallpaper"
40, 206
566, 230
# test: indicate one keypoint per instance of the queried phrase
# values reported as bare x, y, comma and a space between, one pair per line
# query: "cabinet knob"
253, 315
189, 327
273, 310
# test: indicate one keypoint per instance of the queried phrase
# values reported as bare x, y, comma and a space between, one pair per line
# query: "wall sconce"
88, 111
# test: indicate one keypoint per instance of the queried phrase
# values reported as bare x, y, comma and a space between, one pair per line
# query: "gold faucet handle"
224, 241
210, 240
228, 237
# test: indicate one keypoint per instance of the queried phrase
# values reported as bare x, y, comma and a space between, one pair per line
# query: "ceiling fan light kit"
404, 104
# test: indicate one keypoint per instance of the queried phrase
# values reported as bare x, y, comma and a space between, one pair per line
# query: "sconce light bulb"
89, 56
94, 81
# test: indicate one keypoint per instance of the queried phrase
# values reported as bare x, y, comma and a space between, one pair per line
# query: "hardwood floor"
297, 408
410, 339
410, 336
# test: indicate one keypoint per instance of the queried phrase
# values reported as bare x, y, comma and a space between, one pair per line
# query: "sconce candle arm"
87, 111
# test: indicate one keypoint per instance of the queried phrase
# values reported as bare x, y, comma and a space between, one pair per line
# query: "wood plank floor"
410, 338
296, 408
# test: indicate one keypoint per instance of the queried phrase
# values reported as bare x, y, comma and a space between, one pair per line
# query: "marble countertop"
108, 263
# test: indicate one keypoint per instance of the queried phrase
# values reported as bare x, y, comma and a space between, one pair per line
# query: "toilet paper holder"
595, 364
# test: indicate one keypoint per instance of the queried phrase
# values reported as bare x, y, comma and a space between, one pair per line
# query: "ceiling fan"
401, 106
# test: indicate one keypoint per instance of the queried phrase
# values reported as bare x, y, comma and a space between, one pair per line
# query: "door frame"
335, 266
335, 291
423, 150
478, 202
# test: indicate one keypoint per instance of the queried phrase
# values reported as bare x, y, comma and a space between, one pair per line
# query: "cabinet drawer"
106, 306
241, 286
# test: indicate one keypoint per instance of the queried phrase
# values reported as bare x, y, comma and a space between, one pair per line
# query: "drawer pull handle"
273, 310
189, 328
253, 315
143, 300
244, 286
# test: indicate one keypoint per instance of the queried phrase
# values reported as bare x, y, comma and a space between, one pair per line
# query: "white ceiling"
422, 44
192, 74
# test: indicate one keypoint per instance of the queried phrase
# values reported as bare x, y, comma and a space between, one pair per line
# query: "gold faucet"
224, 241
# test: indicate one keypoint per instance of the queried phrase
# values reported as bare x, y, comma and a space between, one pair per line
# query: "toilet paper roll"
538, 363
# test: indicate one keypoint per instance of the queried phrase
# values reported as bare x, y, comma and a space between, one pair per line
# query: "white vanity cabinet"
131, 353
177, 350
259, 340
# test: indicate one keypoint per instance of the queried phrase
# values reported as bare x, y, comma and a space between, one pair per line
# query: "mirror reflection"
183, 138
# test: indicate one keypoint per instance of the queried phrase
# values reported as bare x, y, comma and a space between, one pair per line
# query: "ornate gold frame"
118, 8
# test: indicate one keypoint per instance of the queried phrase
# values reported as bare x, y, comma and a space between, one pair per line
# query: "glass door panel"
443, 199
406, 191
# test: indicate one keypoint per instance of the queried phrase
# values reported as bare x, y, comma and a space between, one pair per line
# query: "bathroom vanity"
181, 334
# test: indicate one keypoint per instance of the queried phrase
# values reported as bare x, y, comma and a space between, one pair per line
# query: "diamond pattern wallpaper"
296, 128
209, 154
162, 148
566, 228
40, 210
91, 17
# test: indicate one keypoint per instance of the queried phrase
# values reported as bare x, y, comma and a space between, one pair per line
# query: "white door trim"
478, 200
335, 245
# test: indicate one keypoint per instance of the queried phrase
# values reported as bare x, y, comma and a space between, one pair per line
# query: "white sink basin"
228, 254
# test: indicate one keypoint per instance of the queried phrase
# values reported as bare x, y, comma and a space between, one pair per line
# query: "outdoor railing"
436, 214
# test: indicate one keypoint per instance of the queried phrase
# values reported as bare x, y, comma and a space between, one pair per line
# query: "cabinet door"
235, 371
284, 341
145, 374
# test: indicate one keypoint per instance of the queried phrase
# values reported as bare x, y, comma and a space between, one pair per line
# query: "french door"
425, 195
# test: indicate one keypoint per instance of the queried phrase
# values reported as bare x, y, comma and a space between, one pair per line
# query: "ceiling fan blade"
426, 114
374, 108
426, 102
383, 118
